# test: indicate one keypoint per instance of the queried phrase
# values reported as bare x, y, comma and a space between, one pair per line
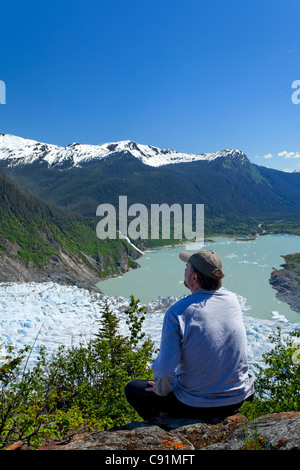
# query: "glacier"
52, 315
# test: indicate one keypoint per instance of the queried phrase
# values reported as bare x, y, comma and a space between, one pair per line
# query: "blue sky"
194, 76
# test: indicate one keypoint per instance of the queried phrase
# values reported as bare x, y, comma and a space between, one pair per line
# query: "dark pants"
149, 405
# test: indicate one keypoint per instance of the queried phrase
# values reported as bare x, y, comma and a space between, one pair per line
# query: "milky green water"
247, 266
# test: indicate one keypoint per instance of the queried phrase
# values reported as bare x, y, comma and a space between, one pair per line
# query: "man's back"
204, 337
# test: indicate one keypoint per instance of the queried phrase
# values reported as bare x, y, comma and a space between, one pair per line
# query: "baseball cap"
206, 262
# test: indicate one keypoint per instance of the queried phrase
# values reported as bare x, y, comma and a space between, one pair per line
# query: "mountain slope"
78, 178
39, 242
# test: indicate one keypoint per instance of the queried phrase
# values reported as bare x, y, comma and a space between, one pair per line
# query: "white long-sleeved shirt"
203, 351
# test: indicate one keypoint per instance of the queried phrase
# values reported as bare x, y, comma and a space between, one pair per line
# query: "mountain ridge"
18, 151
237, 194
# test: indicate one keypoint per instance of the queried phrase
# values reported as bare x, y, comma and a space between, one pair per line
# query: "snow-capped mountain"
77, 178
18, 150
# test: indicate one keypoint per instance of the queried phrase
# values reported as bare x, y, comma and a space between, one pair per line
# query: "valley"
50, 196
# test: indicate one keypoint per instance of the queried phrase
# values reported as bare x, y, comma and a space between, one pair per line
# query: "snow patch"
25, 151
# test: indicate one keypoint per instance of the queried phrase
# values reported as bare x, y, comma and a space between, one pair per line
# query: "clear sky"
195, 76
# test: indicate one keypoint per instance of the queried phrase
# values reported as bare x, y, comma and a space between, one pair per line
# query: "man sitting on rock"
202, 369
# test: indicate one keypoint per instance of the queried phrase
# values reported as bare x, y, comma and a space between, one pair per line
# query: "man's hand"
152, 388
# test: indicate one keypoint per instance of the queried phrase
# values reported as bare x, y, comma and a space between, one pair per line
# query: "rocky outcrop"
280, 431
287, 283
63, 267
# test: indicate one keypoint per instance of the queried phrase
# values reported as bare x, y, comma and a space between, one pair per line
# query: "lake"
247, 266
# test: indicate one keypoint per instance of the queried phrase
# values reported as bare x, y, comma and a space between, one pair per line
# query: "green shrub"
81, 387
277, 386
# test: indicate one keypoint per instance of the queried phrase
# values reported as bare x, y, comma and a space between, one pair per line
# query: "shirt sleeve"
169, 355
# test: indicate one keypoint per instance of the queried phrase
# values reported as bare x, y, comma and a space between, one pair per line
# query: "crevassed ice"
53, 315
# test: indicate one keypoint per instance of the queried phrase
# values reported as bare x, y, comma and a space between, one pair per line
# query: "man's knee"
129, 388
135, 388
